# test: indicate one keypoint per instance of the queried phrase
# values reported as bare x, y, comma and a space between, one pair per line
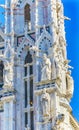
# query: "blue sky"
71, 9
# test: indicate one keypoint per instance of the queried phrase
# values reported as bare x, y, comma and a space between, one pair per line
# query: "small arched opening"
27, 16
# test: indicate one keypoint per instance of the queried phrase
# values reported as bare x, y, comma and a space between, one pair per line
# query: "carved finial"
66, 18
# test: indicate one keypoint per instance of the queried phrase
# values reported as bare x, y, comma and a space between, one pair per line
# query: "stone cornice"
50, 85
64, 102
74, 122
45, 82
49, 90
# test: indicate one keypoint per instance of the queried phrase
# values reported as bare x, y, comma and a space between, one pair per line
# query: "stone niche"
45, 108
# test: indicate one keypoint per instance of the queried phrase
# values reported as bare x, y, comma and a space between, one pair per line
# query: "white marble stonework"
37, 86
46, 69
9, 116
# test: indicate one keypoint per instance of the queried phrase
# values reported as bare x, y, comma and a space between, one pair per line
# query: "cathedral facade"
35, 79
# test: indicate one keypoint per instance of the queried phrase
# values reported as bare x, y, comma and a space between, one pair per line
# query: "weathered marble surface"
52, 83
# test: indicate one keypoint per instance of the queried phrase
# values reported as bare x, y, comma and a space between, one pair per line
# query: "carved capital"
8, 87
8, 99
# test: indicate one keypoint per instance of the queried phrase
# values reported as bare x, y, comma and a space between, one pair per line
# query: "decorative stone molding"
24, 2
50, 95
26, 42
74, 122
50, 88
45, 82
8, 87
64, 102
42, 36
8, 99
8, 91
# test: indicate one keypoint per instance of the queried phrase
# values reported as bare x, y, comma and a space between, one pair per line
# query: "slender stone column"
53, 19
9, 117
6, 116
12, 122
7, 20
7, 16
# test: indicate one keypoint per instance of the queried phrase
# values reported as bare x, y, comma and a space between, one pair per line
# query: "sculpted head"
44, 90
44, 56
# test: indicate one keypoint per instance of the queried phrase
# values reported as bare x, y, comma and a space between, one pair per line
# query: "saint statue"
8, 73
45, 103
70, 82
46, 68
9, 52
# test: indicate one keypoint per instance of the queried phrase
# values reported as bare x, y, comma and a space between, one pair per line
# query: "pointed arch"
24, 2
27, 16
45, 41
27, 42
27, 12
28, 58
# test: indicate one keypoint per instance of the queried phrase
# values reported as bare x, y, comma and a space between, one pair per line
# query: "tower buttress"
8, 96
52, 61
